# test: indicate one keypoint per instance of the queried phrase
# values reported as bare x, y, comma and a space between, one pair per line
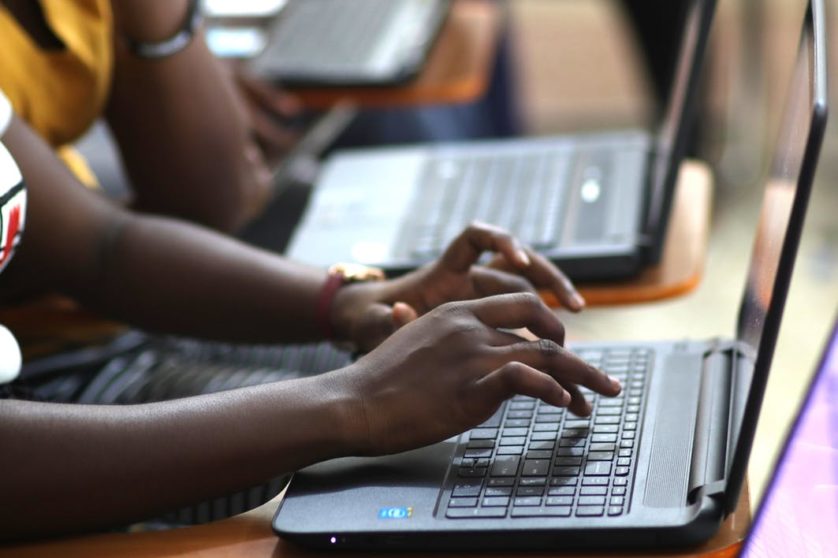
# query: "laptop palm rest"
673, 426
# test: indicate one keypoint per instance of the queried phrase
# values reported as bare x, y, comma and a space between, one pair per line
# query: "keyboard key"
600, 438
567, 471
515, 432
465, 488
475, 513
541, 512
626, 443
522, 405
593, 491
513, 441
548, 418
595, 481
481, 444
544, 409
536, 468
611, 402
621, 482
510, 450
629, 426
571, 452
559, 501
629, 435
573, 442
617, 500
527, 501
517, 423
500, 482
493, 491
608, 411
546, 427
539, 454
543, 445
590, 501
532, 481
615, 510
484, 434
544, 436
623, 461
561, 491
468, 472
590, 511
495, 501
530, 491
462, 502
632, 417
478, 453
505, 466
564, 481
624, 453
575, 432
576, 424
598, 469
598, 446
621, 471
519, 414
569, 460
600, 456
606, 429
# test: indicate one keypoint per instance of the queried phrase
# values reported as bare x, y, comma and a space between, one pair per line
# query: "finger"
403, 314
579, 405
517, 310
489, 282
544, 275
564, 366
270, 96
465, 250
516, 378
269, 131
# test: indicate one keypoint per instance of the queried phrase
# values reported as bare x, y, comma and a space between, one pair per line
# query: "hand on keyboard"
451, 369
364, 313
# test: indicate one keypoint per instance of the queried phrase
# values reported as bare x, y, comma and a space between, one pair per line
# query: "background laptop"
798, 515
662, 464
595, 204
357, 42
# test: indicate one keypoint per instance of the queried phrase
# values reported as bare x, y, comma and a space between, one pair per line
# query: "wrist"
342, 297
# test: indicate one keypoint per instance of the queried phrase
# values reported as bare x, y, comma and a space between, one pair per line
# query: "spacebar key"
475, 513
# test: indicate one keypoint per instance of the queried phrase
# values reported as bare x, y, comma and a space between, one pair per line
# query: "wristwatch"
341, 274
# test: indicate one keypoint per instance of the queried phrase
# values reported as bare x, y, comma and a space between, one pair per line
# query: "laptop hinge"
717, 419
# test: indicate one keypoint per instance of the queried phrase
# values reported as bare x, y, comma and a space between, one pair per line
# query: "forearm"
169, 276
74, 467
182, 131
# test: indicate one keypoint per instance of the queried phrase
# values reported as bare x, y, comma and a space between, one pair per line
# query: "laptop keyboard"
331, 36
535, 460
525, 192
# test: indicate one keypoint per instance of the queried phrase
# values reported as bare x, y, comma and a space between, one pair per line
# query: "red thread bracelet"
334, 281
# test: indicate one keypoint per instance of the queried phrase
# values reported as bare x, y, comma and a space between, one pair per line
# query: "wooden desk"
685, 248
457, 69
250, 535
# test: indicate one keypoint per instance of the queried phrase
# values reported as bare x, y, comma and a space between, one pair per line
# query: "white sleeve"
5, 113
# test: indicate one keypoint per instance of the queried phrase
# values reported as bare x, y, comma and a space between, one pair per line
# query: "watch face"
12, 207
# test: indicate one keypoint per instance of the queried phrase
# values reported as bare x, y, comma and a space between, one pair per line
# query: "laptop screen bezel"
662, 188
814, 28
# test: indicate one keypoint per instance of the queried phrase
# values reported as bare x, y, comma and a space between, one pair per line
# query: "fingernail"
615, 383
523, 258
578, 300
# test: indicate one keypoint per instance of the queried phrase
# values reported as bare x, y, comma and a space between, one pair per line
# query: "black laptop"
662, 464
595, 204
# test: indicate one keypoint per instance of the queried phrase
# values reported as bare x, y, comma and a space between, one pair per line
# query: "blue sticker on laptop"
395, 513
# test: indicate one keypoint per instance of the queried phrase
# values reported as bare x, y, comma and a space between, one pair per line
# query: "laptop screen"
780, 225
798, 515
676, 126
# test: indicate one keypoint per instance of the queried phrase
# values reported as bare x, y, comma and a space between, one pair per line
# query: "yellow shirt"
60, 93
